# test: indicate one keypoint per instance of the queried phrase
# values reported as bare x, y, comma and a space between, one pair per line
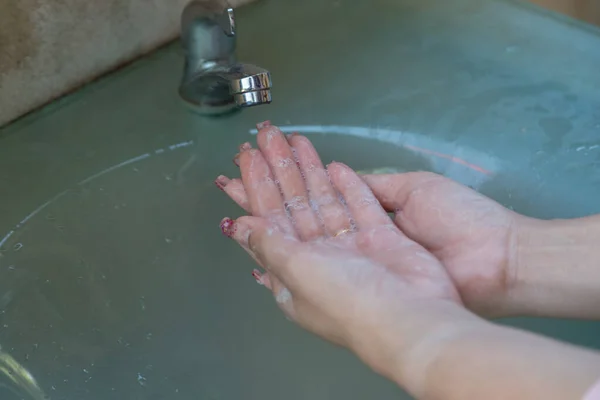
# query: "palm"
355, 277
469, 233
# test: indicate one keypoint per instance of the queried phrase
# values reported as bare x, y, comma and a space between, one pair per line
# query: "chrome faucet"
213, 82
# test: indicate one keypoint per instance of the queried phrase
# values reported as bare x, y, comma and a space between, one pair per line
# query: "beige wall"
50, 47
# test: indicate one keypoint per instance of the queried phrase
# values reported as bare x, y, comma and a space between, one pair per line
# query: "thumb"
394, 190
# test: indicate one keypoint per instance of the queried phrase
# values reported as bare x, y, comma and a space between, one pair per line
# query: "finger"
258, 235
333, 214
272, 248
234, 188
262, 279
393, 191
243, 147
264, 198
278, 153
364, 207
239, 232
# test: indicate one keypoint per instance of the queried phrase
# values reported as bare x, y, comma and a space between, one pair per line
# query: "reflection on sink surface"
114, 280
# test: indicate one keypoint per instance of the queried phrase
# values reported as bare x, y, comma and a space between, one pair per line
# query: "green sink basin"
115, 282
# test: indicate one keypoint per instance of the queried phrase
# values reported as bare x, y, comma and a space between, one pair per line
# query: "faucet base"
212, 111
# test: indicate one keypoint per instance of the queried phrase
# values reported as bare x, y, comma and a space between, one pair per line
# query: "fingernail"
290, 136
221, 182
236, 159
245, 146
258, 277
228, 227
336, 164
264, 124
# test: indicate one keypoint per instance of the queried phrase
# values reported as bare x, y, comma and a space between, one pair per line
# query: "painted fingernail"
258, 277
228, 227
222, 181
236, 159
264, 124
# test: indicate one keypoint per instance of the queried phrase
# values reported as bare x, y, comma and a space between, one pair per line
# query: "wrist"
555, 268
413, 337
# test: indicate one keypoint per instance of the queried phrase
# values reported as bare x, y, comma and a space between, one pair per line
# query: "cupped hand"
472, 235
335, 261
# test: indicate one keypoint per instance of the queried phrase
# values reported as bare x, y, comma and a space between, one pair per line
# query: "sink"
114, 279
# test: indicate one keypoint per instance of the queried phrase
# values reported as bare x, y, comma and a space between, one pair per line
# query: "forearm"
502, 363
455, 355
557, 270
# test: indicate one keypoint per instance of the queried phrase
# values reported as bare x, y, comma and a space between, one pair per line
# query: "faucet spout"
213, 82
250, 85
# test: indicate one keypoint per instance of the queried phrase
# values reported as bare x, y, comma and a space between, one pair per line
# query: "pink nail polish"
228, 227
264, 124
258, 277
221, 182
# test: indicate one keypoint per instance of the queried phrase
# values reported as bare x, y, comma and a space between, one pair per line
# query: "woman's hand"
336, 263
473, 236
